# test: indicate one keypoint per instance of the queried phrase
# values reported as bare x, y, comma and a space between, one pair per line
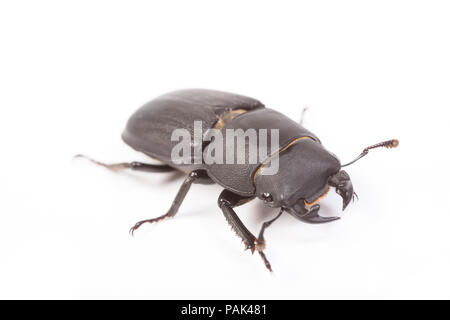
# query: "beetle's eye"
267, 197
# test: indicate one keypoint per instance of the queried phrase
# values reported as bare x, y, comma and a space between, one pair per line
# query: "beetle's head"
341, 181
305, 204
343, 186
307, 172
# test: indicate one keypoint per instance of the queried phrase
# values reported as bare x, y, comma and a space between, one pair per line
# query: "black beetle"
306, 169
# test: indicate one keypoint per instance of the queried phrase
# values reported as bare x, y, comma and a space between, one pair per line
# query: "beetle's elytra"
306, 169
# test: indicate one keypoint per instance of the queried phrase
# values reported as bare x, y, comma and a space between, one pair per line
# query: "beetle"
305, 174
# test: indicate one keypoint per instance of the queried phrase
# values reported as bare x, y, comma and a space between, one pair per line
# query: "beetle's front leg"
227, 201
261, 243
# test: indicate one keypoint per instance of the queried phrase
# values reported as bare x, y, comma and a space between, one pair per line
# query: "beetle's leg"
190, 179
227, 201
302, 116
138, 166
261, 243
310, 215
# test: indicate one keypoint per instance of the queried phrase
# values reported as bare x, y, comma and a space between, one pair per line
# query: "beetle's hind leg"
194, 176
138, 166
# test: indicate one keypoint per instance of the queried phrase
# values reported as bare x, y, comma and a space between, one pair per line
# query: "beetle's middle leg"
302, 116
195, 176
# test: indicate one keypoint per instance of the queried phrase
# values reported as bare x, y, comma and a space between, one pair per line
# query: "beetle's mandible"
306, 169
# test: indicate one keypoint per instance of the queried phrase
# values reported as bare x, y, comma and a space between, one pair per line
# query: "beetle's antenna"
387, 144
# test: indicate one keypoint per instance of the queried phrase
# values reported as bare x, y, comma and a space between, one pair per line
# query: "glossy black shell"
304, 167
150, 128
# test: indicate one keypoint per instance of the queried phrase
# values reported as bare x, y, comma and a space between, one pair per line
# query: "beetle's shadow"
261, 213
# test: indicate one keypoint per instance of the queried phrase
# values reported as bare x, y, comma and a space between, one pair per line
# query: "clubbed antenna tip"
387, 144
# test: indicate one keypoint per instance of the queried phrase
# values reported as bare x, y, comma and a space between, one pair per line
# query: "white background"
71, 73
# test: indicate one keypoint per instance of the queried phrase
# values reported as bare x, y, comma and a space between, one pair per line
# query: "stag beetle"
306, 169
